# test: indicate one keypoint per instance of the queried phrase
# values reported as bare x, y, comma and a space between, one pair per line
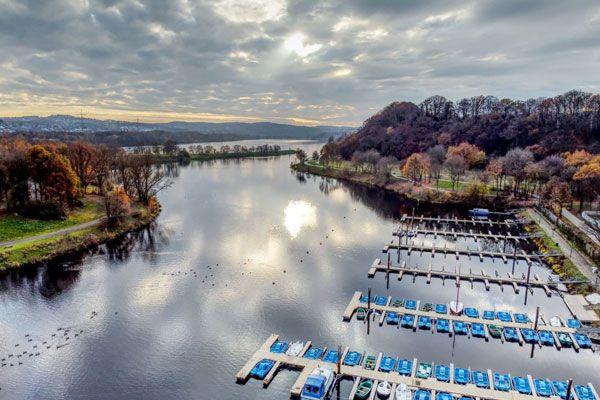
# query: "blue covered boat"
546, 338
522, 385
381, 301
331, 356
460, 328
352, 358
387, 364
480, 379
392, 318
560, 389
442, 373
261, 369
582, 340
502, 382
471, 312
503, 316
424, 322
461, 376
573, 323
488, 314
511, 335
479, 212
313, 353
443, 326
279, 347
529, 335
422, 395
584, 393
405, 367
443, 396
365, 299
408, 321
410, 304
317, 384
543, 387
441, 309
521, 318
478, 330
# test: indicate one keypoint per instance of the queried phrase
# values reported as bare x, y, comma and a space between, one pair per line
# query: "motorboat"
443, 326
317, 384
352, 358
481, 379
555, 321
441, 309
511, 334
405, 367
295, 349
543, 387
361, 314
479, 212
261, 369
384, 389
529, 335
504, 316
521, 318
381, 301
424, 322
495, 331
488, 314
410, 304
387, 364
546, 338
370, 362
456, 308
364, 389
403, 392
471, 312
313, 353
584, 392
422, 394
392, 318
423, 370
279, 347
461, 376
564, 339
502, 382
583, 340
407, 321
442, 373
332, 356
521, 385
560, 388
477, 330
443, 396
573, 323
460, 328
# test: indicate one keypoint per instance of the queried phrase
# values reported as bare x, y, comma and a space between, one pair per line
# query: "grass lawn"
17, 227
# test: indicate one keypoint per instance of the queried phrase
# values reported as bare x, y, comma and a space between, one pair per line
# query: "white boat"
317, 384
456, 307
295, 349
384, 389
555, 321
403, 392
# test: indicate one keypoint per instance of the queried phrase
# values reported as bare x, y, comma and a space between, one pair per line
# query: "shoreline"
223, 156
32, 254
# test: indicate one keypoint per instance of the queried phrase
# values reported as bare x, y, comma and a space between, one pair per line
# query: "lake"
243, 249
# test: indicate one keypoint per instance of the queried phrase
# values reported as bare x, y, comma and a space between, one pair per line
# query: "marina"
409, 233
507, 223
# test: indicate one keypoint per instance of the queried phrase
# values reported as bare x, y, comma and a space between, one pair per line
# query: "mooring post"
339, 360
527, 281
514, 260
537, 317
569, 388
369, 312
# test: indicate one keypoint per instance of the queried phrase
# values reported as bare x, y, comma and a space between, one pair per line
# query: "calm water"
241, 250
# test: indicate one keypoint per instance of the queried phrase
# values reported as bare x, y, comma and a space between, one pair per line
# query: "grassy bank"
223, 156
44, 250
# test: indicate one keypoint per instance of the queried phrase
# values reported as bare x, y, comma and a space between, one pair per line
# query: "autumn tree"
52, 176
437, 155
514, 165
301, 156
116, 205
588, 177
556, 193
416, 167
472, 154
82, 157
494, 171
456, 166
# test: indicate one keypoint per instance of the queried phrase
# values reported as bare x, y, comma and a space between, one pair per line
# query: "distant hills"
124, 133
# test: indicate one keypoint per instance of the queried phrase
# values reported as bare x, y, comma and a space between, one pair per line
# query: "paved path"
581, 225
583, 263
60, 232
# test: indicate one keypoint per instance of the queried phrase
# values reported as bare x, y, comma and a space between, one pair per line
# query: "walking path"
60, 232
581, 225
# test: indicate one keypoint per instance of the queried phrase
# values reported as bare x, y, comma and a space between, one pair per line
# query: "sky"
331, 62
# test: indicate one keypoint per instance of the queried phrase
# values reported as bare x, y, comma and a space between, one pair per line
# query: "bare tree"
456, 167
147, 176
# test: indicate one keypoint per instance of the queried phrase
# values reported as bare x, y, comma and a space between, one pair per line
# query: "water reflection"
299, 214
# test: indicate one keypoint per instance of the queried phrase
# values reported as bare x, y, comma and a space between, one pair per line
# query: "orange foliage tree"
416, 167
472, 154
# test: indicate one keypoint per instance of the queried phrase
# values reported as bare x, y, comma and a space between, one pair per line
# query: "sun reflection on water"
299, 214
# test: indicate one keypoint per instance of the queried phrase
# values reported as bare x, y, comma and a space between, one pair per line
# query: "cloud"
333, 61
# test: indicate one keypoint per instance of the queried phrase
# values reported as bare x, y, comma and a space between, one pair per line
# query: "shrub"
46, 210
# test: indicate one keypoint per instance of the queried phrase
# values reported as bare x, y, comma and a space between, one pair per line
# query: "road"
60, 232
581, 225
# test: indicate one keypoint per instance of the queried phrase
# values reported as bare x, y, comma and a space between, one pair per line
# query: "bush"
116, 205
46, 210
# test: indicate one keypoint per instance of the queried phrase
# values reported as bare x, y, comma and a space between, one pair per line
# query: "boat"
456, 308
424, 322
503, 316
521, 318
398, 303
410, 304
583, 340
471, 312
387, 364
352, 358
441, 309
295, 349
405, 367
443, 326
555, 321
564, 339
384, 389
313, 353
495, 331
369, 362
560, 389
392, 318
317, 384
261, 369
361, 314
460, 328
479, 212
501, 382
422, 395
331, 356
477, 330
423, 370
584, 393
442, 373
529, 335
410, 233
543, 387
546, 338
461, 376
443, 396
521, 385
279, 347
365, 299
511, 335
408, 321
427, 307
480, 379
381, 301
364, 389
573, 323
488, 314
403, 392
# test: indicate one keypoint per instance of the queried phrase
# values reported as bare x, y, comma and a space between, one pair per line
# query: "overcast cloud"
326, 62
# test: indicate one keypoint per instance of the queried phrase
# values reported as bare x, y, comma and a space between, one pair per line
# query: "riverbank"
39, 251
164, 158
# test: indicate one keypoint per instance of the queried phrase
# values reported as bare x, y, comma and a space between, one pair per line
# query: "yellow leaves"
577, 158
471, 153
588, 171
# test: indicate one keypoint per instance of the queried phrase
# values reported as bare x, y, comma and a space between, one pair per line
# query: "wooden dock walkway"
509, 223
456, 234
306, 366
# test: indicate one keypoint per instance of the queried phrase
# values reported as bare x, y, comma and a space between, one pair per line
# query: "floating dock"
509, 223
456, 234
578, 306
306, 366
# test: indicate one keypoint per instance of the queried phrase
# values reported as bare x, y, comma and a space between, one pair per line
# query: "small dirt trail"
60, 232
